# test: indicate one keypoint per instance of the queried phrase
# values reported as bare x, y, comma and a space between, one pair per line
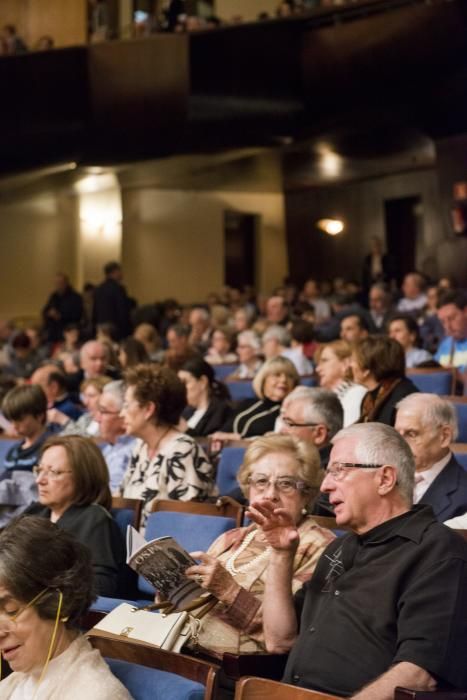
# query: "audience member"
275, 340
26, 408
199, 321
333, 370
378, 267
414, 299
243, 319
24, 359
311, 295
380, 305
220, 349
248, 351
111, 302
452, 312
148, 335
13, 43
208, 408
276, 311
73, 483
353, 327
46, 588
274, 381
64, 306
118, 447
54, 384
179, 349
378, 363
285, 471
165, 462
302, 335
404, 329
44, 43
431, 328
377, 586
86, 425
429, 424
131, 352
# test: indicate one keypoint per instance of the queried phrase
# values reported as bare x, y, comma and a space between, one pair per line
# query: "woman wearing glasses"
45, 588
285, 471
73, 484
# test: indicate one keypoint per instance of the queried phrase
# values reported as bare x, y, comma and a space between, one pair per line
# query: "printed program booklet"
162, 562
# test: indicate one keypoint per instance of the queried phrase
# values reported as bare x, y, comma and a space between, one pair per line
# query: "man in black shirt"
387, 603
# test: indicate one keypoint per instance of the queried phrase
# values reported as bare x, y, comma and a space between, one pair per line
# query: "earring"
304, 511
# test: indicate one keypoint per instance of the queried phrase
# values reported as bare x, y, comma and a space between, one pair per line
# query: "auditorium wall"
64, 20
361, 206
38, 239
248, 9
173, 241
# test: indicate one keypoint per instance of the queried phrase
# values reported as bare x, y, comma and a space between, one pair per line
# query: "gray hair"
249, 338
319, 405
278, 333
378, 443
117, 391
433, 411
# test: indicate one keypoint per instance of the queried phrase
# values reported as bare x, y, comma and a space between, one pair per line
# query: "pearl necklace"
230, 563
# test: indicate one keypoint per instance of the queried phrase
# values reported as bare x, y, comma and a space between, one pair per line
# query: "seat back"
193, 532
251, 688
224, 506
241, 389
432, 380
308, 380
230, 461
126, 511
224, 370
149, 673
459, 450
460, 406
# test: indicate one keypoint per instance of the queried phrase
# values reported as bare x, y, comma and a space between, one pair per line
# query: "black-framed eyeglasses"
106, 412
284, 484
338, 469
293, 424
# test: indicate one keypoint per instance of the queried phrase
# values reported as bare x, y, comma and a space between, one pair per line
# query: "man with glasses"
386, 605
118, 446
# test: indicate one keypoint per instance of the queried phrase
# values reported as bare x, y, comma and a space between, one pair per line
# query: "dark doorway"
240, 248
403, 222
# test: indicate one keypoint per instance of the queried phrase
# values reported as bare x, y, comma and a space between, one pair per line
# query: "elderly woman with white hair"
248, 350
275, 380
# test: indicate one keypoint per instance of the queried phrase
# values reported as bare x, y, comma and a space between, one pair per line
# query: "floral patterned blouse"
180, 471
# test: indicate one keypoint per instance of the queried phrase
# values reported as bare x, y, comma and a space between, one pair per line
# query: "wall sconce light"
331, 226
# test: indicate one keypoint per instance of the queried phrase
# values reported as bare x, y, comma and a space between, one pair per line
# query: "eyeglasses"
284, 484
338, 469
8, 619
293, 424
52, 474
106, 412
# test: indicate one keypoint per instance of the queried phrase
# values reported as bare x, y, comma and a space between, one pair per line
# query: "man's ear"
445, 433
387, 479
321, 435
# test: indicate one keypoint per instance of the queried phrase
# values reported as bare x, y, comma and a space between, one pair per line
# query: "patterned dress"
237, 625
180, 471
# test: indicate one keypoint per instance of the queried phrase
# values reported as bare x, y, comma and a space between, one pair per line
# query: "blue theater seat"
230, 461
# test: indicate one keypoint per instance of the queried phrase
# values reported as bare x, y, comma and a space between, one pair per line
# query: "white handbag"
169, 632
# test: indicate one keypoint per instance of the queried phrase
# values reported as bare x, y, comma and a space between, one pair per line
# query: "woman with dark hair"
206, 398
45, 588
131, 352
73, 483
404, 329
165, 462
378, 363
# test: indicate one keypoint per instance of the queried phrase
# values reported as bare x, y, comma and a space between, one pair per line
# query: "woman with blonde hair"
274, 381
285, 471
334, 372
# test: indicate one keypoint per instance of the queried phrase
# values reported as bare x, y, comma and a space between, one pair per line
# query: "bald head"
93, 358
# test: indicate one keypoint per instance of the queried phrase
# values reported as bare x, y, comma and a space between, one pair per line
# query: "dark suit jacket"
216, 414
112, 305
447, 494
